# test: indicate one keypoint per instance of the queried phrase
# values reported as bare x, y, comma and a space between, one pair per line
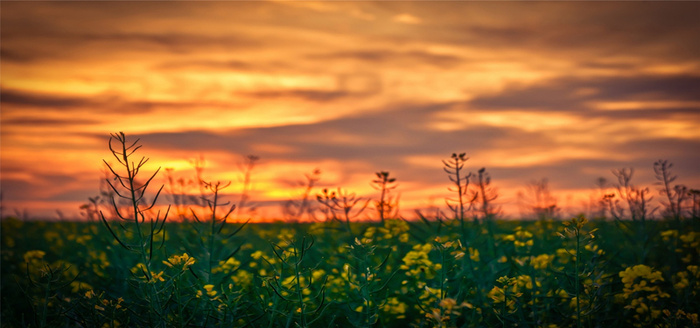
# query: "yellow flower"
668, 234
394, 306
157, 277
210, 290
630, 274
541, 261
474, 254
182, 261
227, 266
242, 278
33, 255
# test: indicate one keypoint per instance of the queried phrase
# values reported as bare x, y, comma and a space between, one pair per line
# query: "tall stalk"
133, 193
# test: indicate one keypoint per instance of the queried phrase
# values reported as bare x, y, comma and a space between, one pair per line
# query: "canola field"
396, 273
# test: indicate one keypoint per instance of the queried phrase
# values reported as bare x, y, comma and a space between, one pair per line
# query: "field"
394, 273
127, 266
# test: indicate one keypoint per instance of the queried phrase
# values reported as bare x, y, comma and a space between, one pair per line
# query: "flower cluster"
395, 307
642, 290
506, 292
540, 262
687, 280
520, 238
181, 262
417, 262
227, 266
690, 247
209, 291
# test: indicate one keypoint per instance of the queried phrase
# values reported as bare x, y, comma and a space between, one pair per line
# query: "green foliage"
542, 273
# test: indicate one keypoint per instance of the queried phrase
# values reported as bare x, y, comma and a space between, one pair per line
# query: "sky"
566, 91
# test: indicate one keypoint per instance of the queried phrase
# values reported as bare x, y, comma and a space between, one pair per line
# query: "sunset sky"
566, 91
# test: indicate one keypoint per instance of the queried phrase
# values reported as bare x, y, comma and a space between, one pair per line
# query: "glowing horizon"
563, 91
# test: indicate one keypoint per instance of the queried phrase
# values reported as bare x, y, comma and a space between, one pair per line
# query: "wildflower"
416, 262
639, 271
33, 255
243, 278
257, 255
541, 261
77, 286
526, 281
681, 279
208, 289
564, 255
183, 261
157, 277
643, 291
521, 238
498, 295
474, 254
669, 234
227, 266
691, 239
394, 306
593, 249
316, 275
577, 222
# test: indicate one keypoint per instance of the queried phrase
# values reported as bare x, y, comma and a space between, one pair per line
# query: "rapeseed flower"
209, 291
34, 255
642, 291
541, 261
474, 254
227, 266
396, 307
417, 262
182, 262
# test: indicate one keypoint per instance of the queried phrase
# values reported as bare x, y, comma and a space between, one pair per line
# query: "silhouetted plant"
177, 189
294, 210
675, 196
131, 190
694, 194
198, 166
454, 168
247, 169
638, 205
184, 193
387, 207
485, 195
601, 205
341, 203
214, 227
638, 199
539, 200
91, 210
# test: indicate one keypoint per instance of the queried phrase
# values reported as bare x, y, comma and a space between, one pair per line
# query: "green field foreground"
397, 273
